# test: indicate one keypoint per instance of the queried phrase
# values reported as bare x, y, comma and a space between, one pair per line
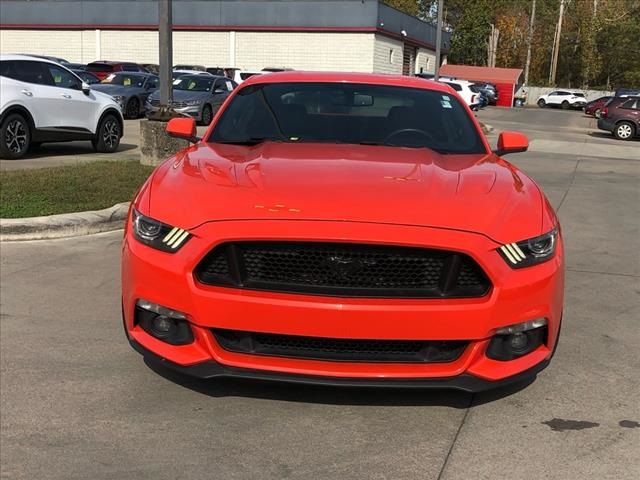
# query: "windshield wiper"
250, 141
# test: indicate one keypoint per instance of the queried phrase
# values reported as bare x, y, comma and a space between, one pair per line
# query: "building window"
391, 55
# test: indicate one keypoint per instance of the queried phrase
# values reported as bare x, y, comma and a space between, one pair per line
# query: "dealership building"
340, 35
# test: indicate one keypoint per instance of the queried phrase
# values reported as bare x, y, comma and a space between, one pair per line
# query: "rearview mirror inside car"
184, 128
511, 142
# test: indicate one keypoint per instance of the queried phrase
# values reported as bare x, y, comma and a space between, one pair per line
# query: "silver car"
197, 96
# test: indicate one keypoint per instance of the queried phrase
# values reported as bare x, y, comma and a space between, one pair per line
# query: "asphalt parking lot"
77, 402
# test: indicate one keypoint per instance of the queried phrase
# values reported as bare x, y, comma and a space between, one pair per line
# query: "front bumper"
211, 370
194, 111
516, 296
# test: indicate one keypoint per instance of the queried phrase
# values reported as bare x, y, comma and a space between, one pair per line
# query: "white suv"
42, 101
563, 98
465, 89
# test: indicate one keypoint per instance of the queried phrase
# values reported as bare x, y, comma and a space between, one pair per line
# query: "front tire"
565, 105
132, 109
15, 137
108, 136
542, 103
624, 131
207, 115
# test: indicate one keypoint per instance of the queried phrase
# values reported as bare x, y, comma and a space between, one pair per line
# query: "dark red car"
621, 117
103, 68
594, 107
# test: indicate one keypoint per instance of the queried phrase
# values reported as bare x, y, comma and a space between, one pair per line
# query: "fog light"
163, 323
517, 340
162, 326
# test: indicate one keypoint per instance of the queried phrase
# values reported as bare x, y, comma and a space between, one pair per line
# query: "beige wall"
359, 52
425, 59
387, 55
304, 50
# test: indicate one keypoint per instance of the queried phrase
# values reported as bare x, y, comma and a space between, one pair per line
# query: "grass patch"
73, 188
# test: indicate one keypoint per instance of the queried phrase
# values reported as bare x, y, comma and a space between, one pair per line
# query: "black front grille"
339, 349
340, 269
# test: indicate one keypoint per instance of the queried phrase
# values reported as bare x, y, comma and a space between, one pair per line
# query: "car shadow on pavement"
608, 135
74, 148
292, 392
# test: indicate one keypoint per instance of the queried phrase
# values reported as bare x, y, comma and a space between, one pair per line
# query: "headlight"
193, 103
530, 252
157, 234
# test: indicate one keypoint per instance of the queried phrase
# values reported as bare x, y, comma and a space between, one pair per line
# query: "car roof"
297, 76
110, 62
12, 56
145, 74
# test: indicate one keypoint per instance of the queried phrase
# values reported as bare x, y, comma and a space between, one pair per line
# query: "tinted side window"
130, 67
27, 71
455, 86
152, 83
629, 104
64, 79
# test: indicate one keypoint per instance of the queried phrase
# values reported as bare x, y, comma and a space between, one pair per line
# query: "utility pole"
165, 27
493, 46
529, 40
556, 46
438, 39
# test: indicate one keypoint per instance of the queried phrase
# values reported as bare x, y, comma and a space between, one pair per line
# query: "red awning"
485, 74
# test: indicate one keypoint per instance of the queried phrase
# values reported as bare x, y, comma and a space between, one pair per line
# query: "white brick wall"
387, 55
359, 52
73, 45
304, 50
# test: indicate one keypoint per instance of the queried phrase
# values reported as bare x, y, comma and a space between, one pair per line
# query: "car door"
221, 89
554, 98
78, 110
150, 85
630, 110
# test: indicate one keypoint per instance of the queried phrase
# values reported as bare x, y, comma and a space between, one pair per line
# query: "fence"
533, 93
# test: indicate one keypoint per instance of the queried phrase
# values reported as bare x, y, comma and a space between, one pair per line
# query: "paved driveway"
78, 403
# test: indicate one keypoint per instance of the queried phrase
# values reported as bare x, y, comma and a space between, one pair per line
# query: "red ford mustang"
345, 229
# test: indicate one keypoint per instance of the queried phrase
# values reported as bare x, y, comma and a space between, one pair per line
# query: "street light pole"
438, 39
165, 27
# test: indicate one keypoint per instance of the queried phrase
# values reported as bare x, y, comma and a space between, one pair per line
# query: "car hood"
479, 193
110, 89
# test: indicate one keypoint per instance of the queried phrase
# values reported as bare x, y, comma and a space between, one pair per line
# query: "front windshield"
125, 79
348, 113
194, 83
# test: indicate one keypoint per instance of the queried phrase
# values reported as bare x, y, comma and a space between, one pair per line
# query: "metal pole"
438, 39
529, 40
165, 26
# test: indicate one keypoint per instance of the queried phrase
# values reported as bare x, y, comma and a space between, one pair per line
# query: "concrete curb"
486, 129
64, 225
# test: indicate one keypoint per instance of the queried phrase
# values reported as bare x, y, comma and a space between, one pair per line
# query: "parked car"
466, 90
594, 107
293, 243
103, 68
180, 73
489, 90
75, 66
183, 66
562, 98
627, 92
622, 119
87, 77
197, 96
130, 90
217, 71
151, 68
42, 101
240, 76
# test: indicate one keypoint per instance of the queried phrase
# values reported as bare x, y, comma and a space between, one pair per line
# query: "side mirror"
184, 128
511, 142
86, 88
